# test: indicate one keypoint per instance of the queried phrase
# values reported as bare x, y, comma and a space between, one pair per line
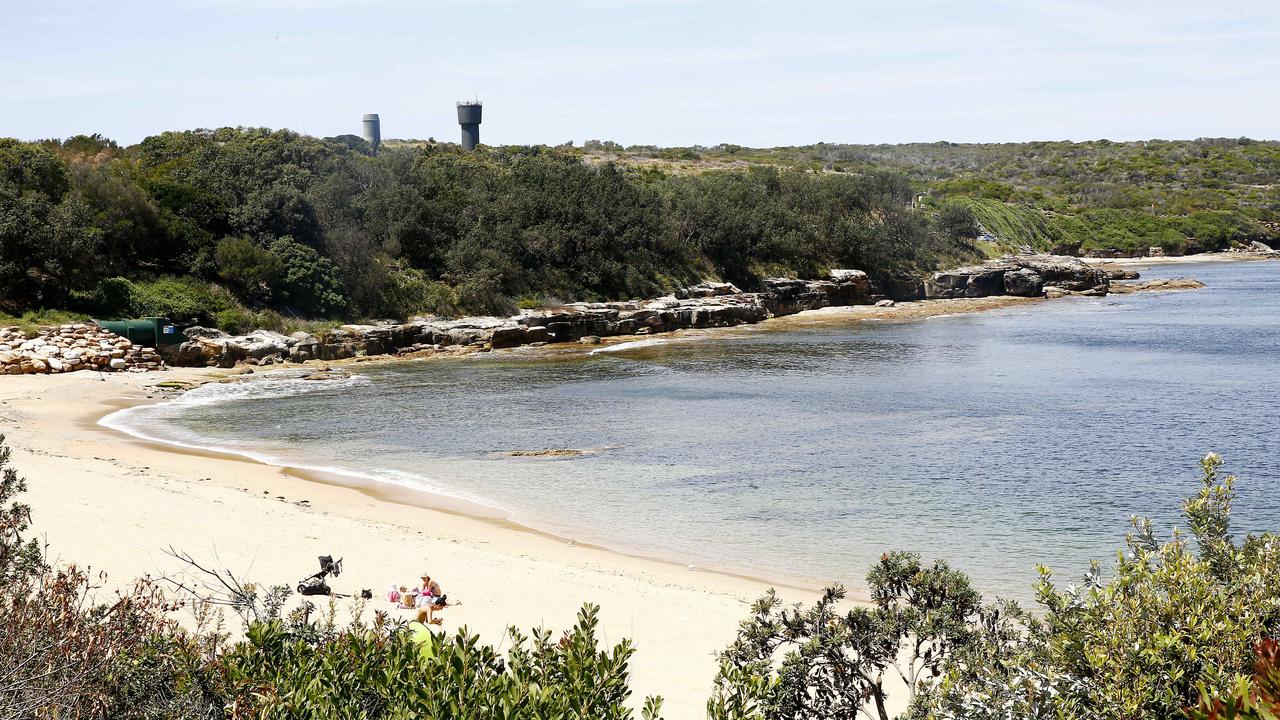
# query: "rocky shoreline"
706, 305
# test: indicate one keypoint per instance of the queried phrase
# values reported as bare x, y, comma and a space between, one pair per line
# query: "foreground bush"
380, 672
1255, 699
1175, 620
1173, 617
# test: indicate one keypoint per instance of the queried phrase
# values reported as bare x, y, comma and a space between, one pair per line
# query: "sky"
663, 72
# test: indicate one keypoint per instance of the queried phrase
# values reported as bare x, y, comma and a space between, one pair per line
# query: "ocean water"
995, 441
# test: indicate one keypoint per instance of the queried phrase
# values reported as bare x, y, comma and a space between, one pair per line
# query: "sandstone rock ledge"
701, 306
705, 305
1018, 275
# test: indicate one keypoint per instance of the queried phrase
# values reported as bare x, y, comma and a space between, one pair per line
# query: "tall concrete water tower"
372, 131
469, 119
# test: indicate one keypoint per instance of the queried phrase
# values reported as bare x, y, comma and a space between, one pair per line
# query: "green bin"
153, 332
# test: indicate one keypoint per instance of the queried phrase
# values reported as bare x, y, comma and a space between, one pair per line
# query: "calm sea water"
995, 441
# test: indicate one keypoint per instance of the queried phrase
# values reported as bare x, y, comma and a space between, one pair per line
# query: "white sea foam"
151, 423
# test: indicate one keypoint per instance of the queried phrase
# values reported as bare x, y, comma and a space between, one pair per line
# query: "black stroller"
315, 584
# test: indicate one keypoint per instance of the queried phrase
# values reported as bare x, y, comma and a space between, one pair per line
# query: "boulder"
261, 343
707, 289
1180, 283
988, 278
536, 334
507, 337
195, 332
1121, 274
1023, 282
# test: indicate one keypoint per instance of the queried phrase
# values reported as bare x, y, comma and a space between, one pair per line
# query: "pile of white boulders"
66, 348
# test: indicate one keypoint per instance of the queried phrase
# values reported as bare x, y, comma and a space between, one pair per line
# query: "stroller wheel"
300, 586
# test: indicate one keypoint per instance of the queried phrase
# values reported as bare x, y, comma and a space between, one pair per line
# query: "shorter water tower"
469, 119
372, 131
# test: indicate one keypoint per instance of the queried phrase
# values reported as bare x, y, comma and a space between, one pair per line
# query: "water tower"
469, 119
372, 131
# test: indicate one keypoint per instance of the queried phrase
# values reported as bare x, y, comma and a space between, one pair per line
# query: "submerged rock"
1182, 283
553, 453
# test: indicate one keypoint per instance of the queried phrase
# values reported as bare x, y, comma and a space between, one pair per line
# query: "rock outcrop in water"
1019, 275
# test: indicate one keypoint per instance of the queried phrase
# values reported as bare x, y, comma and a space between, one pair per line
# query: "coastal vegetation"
220, 225
1184, 627
1073, 197
247, 227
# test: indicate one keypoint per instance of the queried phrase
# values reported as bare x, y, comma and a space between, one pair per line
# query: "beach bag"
393, 595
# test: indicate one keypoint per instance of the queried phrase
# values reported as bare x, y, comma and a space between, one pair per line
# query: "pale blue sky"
668, 72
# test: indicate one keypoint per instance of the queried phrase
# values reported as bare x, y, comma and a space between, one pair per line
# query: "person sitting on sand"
430, 587
430, 598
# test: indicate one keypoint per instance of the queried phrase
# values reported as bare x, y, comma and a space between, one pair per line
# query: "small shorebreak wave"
142, 422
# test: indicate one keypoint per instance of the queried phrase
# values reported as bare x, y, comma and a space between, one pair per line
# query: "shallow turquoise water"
995, 441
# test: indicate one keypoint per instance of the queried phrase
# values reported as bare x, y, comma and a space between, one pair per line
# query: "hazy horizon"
649, 72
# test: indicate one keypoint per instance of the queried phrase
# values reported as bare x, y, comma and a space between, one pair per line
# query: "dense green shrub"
374, 671
307, 281
1175, 618
958, 221
1256, 698
47, 245
808, 664
178, 298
